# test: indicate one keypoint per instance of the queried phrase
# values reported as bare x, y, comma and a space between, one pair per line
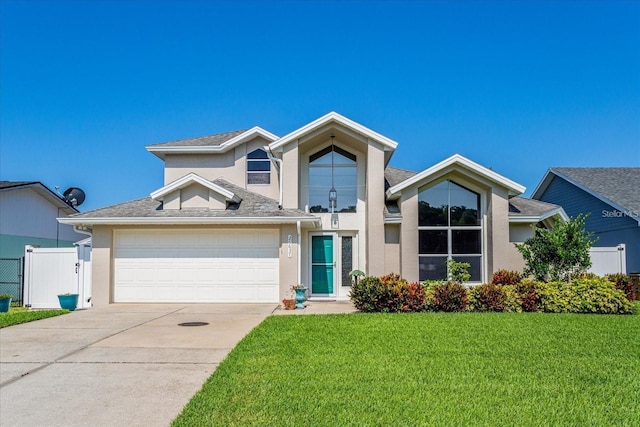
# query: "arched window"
258, 167
345, 180
449, 226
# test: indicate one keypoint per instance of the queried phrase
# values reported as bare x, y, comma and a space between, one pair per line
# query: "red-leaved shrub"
506, 277
387, 294
528, 295
450, 296
624, 283
487, 297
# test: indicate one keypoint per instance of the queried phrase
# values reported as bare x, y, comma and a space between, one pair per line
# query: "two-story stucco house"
244, 215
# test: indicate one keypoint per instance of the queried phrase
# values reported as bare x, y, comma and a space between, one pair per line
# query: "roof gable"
457, 162
40, 189
219, 143
618, 187
190, 179
333, 117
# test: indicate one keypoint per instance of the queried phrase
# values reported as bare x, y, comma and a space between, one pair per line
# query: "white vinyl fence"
49, 272
608, 260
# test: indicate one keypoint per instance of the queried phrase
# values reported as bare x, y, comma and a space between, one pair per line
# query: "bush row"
391, 293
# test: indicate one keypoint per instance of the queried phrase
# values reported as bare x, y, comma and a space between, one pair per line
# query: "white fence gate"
608, 260
49, 272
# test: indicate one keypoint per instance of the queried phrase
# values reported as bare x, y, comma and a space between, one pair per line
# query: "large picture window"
258, 167
449, 226
345, 180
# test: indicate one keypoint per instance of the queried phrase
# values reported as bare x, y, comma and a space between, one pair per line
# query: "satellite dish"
73, 196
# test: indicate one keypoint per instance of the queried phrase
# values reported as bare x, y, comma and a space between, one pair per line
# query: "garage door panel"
196, 266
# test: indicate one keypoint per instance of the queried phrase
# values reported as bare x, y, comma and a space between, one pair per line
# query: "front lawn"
428, 369
15, 316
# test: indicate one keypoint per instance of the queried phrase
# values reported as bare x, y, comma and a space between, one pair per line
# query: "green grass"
488, 369
15, 316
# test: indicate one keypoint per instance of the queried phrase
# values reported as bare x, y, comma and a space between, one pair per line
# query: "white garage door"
196, 266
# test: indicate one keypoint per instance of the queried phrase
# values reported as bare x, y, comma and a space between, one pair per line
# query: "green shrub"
450, 296
458, 271
512, 299
430, 294
506, 277
624, 283
558, 253
597, 295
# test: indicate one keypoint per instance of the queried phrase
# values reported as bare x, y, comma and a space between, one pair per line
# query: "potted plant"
300, 290
5, 302
356, 275
289, 303
68, 301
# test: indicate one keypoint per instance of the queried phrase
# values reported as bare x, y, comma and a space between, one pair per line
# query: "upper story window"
449, 226
258, 167
342, 171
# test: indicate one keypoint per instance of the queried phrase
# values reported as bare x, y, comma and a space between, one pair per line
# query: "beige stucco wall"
231, 166
101, 267
409, 234
375, 210
290, 176
498, 246
288, 264
392, 248
518, 233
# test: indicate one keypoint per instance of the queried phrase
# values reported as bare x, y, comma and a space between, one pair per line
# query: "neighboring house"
243, 215
28, 212
611, 197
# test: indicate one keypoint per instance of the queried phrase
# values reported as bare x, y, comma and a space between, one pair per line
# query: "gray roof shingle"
12, 184
619, 185
252, 205
202, 141
395, 176
519, 206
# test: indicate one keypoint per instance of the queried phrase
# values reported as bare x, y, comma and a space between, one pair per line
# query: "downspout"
299, 252
280, 166
81, 229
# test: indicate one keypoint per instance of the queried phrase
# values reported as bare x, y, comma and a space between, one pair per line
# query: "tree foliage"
560, 253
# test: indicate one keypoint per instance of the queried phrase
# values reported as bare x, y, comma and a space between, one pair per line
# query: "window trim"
451, 228
266, 173
321, 153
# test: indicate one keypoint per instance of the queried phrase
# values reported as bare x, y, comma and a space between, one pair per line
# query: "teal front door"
322, 264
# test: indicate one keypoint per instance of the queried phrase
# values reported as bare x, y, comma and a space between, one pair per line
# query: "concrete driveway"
125, 364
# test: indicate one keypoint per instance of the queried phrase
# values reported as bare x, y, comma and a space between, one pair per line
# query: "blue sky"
516, 86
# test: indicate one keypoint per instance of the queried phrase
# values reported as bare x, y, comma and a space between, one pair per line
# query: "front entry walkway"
321, 307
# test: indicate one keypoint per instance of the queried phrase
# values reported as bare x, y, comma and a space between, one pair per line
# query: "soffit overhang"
161, 150
313, 221
320, 130
460, 164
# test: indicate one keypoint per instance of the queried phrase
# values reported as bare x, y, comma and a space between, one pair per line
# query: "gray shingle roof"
395, 176
202, 141
252, 205
12, 184
519, 206
619, 185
